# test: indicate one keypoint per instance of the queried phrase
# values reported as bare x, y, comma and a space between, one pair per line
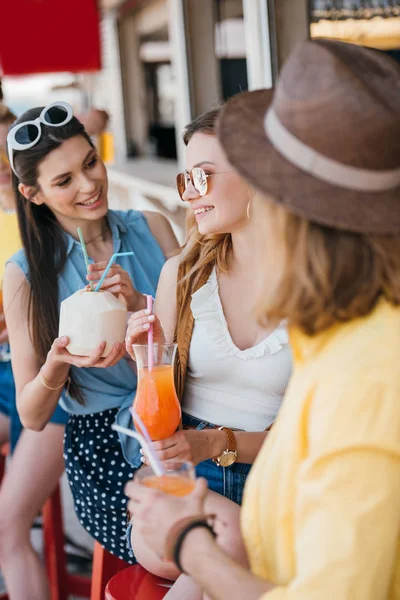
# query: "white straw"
153, 463
145, 433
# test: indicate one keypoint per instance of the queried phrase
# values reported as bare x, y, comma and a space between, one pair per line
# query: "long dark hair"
43, 239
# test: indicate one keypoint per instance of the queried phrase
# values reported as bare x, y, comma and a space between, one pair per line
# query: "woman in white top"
237, 371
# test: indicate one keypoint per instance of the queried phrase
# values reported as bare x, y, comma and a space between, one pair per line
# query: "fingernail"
146, 326
141, 451
64, 339
142, 458
151, 318
117, 346
147, 311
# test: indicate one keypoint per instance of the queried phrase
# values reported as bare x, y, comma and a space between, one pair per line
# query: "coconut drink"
93, 316
89, 318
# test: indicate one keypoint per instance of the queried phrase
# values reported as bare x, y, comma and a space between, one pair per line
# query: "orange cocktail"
170, 484
156, 401
179, 478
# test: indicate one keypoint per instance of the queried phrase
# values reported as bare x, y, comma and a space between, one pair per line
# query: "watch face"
227, 459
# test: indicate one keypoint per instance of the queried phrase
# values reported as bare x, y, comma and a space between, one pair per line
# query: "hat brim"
245, 142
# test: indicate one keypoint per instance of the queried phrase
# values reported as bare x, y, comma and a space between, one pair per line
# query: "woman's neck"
244, 250
92, 231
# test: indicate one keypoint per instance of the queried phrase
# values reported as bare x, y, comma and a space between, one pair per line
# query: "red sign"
47, 36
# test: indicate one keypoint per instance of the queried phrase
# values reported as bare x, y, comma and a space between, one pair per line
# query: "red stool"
135, 583
105, 566
61, 583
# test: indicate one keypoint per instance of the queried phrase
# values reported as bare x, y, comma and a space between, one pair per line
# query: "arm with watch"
221, 444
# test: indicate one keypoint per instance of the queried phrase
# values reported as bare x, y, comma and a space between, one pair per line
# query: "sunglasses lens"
55, 115
199, 181
180, 184
27, 134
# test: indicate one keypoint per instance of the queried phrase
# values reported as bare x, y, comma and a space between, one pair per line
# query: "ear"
30, 194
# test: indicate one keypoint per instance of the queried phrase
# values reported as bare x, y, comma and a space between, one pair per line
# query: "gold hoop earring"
248, 210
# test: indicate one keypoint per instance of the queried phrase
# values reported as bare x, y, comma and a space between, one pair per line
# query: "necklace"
103, 233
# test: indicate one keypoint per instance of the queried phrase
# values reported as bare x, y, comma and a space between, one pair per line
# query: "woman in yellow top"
321, 513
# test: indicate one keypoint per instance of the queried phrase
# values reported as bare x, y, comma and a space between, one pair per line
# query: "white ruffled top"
241, 389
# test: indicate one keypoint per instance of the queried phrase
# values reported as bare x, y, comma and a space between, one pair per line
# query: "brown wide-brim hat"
326, 143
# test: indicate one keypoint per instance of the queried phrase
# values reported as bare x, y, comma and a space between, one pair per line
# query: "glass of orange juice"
178, 480
156, 401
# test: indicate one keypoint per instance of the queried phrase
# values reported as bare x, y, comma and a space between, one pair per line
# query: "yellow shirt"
321, 512
10, 240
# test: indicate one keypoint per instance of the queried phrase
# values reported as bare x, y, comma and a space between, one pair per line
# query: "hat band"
322, 167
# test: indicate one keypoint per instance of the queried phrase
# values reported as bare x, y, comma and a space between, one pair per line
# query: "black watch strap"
182, 536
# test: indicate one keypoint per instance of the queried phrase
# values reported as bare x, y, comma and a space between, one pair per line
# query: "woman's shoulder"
16, 278
162, 230
169, 272
127, 218
136, 217
19, 259
147, 223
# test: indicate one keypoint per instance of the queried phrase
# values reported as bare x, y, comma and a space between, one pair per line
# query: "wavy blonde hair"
319, 276
200, 251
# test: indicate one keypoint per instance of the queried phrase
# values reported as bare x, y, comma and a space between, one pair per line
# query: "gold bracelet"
44, 381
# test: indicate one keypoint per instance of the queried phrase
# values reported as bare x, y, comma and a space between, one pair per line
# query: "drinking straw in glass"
108, 267
85, 255
142, 426
154, 462
150, 336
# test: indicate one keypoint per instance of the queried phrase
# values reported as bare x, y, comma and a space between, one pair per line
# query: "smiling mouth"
90, 202
199, 211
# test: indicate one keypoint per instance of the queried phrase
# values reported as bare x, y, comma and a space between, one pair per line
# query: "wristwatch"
229, 456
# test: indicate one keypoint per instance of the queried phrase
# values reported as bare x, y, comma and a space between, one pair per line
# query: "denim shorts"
227, 481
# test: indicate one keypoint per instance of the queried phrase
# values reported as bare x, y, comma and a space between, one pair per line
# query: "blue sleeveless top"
115, 386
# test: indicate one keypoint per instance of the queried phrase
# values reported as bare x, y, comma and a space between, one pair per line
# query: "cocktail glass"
156, 401
179, 478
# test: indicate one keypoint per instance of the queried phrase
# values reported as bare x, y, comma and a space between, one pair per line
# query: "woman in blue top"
33, 472
61, 184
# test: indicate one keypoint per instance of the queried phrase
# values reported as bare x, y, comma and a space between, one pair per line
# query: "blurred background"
153, 65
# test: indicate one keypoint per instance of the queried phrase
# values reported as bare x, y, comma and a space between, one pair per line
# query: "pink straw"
150, 357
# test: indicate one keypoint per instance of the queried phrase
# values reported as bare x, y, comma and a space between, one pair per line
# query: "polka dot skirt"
97, 473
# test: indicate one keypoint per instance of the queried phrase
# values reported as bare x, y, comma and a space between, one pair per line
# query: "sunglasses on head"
198, 178
25, 135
